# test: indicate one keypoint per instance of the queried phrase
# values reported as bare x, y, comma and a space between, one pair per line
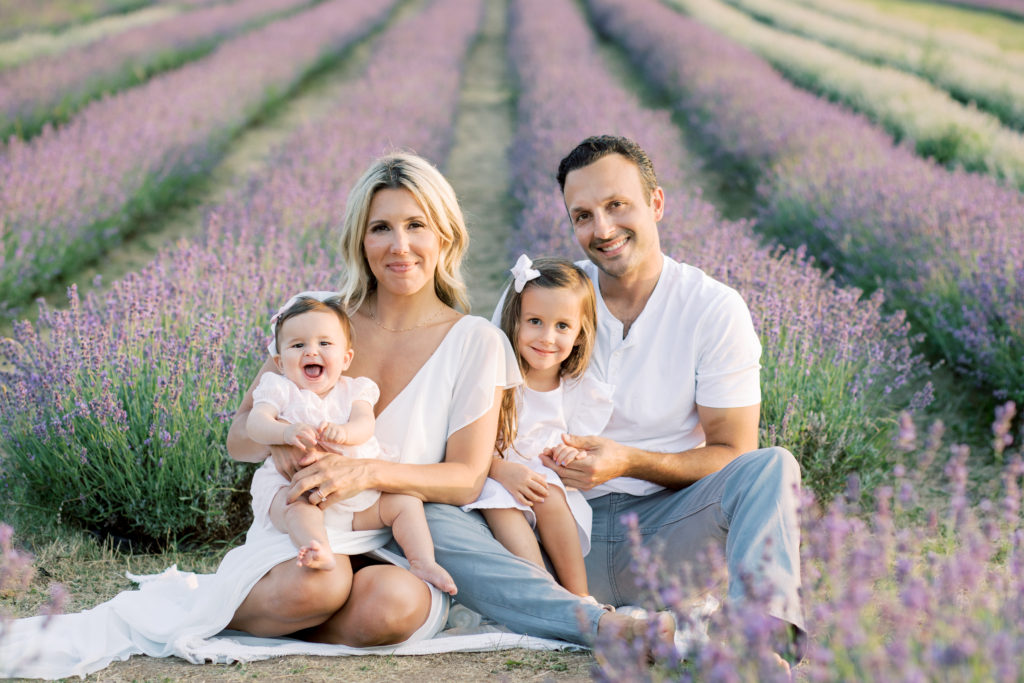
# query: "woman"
441, 375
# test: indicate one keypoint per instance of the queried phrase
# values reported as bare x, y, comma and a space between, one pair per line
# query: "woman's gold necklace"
422, 323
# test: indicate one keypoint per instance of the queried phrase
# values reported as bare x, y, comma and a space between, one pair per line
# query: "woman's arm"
457, 481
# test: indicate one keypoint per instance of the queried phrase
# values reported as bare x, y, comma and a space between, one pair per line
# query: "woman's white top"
179, 613
295, 405
581, 407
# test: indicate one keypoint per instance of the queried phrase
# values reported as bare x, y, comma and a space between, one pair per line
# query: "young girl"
314, 405
549, 316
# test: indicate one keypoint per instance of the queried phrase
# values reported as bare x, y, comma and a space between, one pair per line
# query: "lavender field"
878, 245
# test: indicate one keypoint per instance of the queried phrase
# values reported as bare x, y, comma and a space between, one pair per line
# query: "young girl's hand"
300, 435
525, 485
333, 433
563, 454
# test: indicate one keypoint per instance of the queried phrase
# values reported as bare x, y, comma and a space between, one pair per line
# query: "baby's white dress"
182, 613
578, 406
296, 405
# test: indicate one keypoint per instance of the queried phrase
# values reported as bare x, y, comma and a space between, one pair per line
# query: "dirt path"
478, 166
733, 199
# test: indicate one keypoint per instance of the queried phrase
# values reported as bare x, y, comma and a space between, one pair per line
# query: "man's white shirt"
693, 343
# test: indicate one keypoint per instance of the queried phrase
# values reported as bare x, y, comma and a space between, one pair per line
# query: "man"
681, 351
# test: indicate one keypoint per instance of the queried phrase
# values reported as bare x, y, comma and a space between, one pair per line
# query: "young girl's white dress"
296, 405
578, 406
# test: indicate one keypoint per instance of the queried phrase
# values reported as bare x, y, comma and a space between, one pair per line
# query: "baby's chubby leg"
304, 523
404, 514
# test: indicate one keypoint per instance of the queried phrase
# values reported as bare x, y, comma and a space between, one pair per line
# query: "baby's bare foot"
434, 574
316, 556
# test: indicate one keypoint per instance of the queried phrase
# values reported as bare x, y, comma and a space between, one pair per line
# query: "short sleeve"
588, 405
365, 389
486, 363
274, 389
729, 356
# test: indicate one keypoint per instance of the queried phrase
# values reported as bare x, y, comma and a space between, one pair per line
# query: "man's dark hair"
599, 146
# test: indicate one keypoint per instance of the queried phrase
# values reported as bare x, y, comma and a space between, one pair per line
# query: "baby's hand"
333, 433
300, 435
563, 454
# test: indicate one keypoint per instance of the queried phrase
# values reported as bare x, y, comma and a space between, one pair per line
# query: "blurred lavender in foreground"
16, 574
917, 585
123, 429
832, 361
31, 15
945, 246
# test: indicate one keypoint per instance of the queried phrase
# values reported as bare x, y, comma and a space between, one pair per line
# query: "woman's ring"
319, 494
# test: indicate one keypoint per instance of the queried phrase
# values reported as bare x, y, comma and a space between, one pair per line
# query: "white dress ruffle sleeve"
184, 614
580, 407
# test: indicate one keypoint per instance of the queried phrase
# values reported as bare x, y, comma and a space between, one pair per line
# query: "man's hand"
600, 460
289, 459
525, 485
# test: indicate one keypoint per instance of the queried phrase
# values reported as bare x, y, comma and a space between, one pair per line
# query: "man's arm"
728, 432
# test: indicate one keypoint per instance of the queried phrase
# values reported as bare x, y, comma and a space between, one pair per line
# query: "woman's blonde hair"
555, 273
437, 199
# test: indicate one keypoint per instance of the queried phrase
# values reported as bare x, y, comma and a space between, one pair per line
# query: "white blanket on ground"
184, 614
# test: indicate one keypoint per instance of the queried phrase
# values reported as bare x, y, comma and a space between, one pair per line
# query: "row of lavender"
1011, 8
68, 193
123, 429
831, 359
945, 246
52, 88
33, 15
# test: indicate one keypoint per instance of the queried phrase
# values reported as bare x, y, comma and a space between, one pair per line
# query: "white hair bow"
319, 295
523, 272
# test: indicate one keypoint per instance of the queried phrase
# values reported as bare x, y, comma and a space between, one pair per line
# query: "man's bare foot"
315, 556
434, 574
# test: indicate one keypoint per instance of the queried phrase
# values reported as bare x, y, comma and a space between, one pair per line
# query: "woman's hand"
525, 485
288, 459
335, 478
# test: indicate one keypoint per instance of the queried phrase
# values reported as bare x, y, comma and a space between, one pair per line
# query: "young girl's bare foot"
314, 556
434, 574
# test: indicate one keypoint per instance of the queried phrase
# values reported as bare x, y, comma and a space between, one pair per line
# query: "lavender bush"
68, 193
992, 86
53, 88
945, 246
123, 430
831, 360
899, 587
31, 15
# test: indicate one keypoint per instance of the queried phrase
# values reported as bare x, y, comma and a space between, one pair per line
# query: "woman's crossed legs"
378, 605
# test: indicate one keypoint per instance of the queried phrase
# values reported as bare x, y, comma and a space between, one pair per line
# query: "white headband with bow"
523, 272
318, 295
